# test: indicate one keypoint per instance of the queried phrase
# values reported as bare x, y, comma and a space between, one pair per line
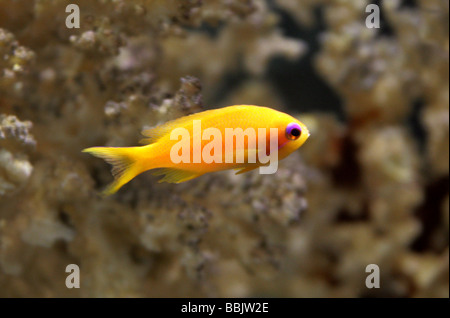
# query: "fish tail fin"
126, 164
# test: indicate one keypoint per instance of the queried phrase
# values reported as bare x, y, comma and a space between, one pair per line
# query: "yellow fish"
242, 137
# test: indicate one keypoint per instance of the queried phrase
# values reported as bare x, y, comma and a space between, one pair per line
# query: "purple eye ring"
293, 131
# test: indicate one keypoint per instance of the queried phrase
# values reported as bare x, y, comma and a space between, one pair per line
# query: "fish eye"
293, 131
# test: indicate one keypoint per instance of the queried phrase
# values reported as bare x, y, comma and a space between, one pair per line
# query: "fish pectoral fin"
172, 175
247, 169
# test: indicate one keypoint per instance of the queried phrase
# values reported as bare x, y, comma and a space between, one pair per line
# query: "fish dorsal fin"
155, 133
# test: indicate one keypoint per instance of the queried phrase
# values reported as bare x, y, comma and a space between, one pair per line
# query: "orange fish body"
204, 142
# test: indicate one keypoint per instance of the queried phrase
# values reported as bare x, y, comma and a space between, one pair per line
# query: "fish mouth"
309, 134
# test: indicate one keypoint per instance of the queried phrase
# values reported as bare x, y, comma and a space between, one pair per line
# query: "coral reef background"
370, 186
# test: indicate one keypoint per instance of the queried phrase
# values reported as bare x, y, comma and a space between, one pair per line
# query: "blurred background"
370, 186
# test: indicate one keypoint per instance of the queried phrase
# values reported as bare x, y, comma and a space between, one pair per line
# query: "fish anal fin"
249, 156
247, 169
172, 175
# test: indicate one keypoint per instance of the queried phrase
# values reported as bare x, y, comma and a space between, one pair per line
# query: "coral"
371, 188
15, 141
380, 78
